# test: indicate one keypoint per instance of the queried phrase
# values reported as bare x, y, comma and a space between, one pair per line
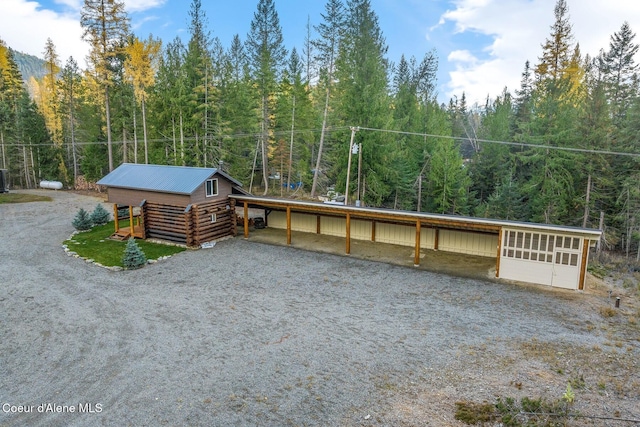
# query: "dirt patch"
246, 333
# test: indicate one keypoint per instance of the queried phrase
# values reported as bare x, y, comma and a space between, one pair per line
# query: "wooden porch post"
435, 238
348, 234
131, 224
583, 264
246, 220
115, 217
318, 224
499, 253
288, 225
373, 230
416, 259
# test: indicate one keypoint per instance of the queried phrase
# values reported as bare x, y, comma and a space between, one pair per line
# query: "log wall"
191, 225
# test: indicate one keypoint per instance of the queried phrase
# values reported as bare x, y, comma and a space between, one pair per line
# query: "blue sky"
482, 45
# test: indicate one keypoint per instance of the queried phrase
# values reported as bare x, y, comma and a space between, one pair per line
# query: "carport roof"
440, 220
161, 178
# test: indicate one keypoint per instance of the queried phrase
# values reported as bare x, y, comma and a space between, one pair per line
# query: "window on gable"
211, 187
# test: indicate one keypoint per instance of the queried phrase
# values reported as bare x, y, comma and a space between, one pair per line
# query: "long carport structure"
535, 253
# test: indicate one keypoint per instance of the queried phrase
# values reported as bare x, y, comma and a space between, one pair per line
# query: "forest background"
561, 149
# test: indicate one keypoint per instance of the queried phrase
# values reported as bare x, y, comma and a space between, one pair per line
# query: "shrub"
133, 256
82, 221
100, 216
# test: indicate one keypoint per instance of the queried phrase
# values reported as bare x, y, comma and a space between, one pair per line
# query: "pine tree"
82, 221
133, 256
620, 71
106, 26
100, 216
267, 55
362, 95
331, 32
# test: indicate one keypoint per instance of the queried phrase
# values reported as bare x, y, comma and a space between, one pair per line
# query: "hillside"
28, 65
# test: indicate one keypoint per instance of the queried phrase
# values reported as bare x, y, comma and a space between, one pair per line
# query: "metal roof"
161, 178
453, 221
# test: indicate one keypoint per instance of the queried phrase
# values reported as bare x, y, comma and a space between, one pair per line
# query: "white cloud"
25, 27
517, 29
142, 5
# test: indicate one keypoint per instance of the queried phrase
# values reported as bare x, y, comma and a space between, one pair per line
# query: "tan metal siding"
300, 222
395, 234
466, 242
333, 226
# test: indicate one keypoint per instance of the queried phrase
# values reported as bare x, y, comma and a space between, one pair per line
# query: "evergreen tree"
331, 32
362, 90
106, 26
82, 221
69, 86
133, 256
620, 71
100, 216
267, 55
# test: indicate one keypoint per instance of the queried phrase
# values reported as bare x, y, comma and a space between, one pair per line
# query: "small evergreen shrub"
100, 216
82, 221
133, 256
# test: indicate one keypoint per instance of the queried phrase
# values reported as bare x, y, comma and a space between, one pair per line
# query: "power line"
519, 144
215, 138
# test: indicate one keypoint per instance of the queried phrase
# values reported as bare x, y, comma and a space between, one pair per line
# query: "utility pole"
359, 169
346, 191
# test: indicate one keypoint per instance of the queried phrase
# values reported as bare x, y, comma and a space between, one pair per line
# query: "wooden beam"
416, 259
246, 219
115, 217
373, 230
499, 253
436, 237
348, 234
131, 224
318, 221
288, 225
583, 263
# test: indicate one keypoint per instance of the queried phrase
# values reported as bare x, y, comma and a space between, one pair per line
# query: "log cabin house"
185, 205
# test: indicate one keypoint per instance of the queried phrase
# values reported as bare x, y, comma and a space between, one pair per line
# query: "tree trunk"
181, 140
586, 203
320, 145
293, 123
108, 114
144, 133
264, 142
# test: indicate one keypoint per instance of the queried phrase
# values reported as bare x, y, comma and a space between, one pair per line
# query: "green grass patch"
95, 244
22, 198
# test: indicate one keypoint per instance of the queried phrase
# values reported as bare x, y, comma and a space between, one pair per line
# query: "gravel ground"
252, 334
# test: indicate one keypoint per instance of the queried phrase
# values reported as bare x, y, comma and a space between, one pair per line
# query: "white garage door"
544, 258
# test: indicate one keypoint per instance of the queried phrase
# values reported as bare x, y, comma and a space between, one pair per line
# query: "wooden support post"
499, 252
131, 223
373, 230
246, 220
115, 217
318, 224
288, 225
348, 234
583, 263
435, 238
416, 259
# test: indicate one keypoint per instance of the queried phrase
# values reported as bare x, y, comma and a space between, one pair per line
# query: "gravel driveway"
252, 334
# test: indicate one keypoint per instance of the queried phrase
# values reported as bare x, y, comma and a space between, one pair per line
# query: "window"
211, 187
214, 217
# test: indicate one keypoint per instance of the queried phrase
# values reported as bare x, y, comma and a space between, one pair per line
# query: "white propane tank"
51, 185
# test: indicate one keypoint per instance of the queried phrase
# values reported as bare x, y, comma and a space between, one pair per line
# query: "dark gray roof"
166, 179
